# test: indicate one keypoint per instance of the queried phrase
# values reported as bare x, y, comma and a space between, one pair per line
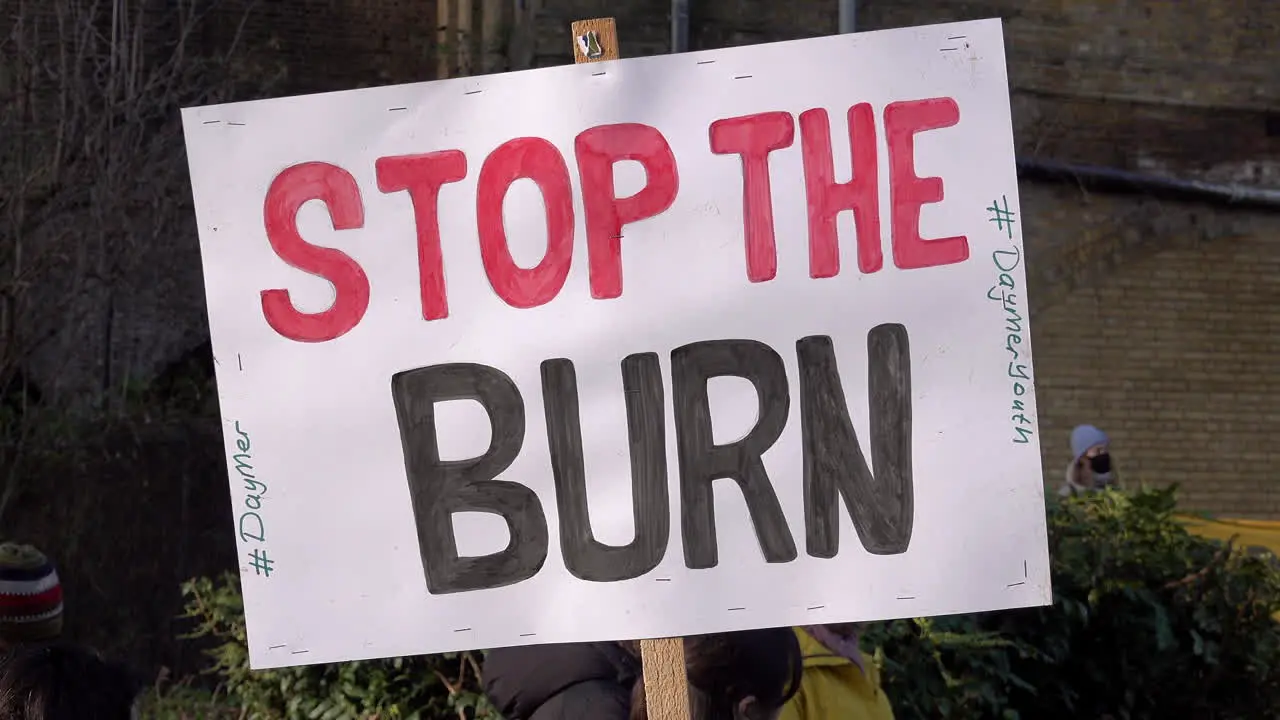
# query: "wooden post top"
595, 40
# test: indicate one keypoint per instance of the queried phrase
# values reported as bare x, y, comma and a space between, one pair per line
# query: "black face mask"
1100, 464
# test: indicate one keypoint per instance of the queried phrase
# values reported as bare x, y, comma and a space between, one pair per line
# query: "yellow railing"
1261, 533
1247, 533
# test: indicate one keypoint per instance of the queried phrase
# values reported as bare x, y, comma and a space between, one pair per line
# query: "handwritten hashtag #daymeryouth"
1002, 216
260, 563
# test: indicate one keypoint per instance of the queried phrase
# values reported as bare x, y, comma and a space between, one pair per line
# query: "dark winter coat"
582, 681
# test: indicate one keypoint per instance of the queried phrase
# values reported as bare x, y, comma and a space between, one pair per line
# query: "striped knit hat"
30, 596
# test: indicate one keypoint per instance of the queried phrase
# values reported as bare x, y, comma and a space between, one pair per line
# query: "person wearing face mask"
1091, 467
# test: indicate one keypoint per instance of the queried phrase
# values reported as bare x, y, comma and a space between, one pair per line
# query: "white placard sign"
484, 347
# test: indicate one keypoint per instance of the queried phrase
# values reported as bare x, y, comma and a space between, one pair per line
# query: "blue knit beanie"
1085, 437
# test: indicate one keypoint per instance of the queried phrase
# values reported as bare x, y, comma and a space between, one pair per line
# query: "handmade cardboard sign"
625, 349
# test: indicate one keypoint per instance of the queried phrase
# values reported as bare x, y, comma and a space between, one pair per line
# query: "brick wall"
1159, 322
1162, 326
1175, 356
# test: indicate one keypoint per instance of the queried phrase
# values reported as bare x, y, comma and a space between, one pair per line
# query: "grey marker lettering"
584, 556
702, 462
439, 489
881, 504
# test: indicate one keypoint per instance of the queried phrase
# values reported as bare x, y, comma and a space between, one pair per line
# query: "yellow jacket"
834, 688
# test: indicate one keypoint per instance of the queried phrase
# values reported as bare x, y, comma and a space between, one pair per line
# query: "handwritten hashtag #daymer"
260, 563
1002, 216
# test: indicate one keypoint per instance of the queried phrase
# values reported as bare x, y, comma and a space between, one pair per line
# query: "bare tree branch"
92, 163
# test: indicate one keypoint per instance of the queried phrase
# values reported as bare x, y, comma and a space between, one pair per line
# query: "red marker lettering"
540, 161
908, 193
423, 176
597, 150
753, 137
827, 197
290, 190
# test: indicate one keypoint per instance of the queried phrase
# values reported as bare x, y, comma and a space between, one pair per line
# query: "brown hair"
64, 682
726, 668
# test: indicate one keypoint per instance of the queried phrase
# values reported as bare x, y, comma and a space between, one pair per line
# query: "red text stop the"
753, 138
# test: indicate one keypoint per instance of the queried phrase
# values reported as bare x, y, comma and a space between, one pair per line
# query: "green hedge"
1148, 621
410, 688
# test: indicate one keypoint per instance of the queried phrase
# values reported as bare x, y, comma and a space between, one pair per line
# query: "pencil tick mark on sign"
815, 607
473, 92
236, 124
240, 362
276, 647
211, 122
299, 652
1014, 585
396, 109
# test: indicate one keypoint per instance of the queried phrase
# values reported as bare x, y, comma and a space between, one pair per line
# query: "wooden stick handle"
666, 682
